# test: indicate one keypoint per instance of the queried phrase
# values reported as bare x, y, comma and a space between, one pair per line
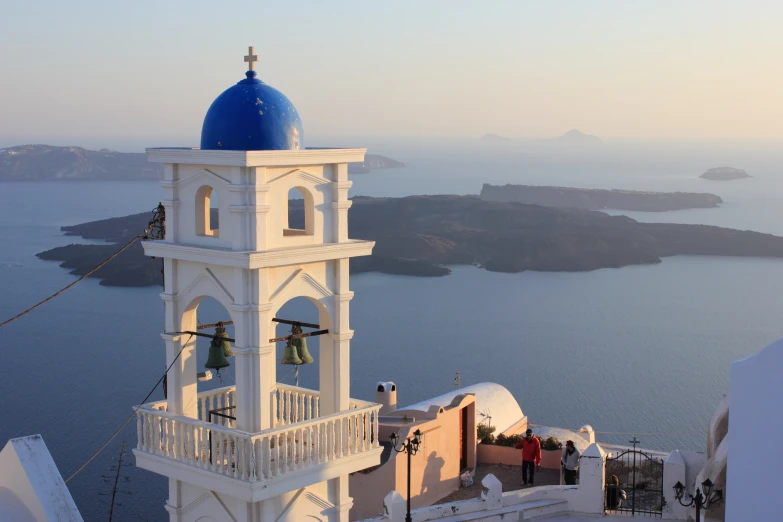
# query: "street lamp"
411, 447
706, 500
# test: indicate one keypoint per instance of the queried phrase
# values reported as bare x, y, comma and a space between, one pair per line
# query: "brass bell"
221, 338
289, 355
301, 350
217, 357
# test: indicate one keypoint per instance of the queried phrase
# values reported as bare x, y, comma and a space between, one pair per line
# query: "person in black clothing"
614, 495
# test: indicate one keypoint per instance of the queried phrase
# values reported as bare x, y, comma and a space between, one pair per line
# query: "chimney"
386, 396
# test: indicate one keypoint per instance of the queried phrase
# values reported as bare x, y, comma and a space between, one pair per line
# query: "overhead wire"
118, 252
156, 226
143, 401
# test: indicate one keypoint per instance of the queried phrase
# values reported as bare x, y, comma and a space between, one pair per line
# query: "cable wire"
131, 415
118, 252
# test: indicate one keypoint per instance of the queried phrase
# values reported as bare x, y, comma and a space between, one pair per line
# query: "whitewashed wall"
755, 422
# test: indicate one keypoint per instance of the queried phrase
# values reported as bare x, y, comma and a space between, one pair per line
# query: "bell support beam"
272, 340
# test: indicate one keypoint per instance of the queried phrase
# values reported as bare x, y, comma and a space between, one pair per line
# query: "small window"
298, 219
207, 212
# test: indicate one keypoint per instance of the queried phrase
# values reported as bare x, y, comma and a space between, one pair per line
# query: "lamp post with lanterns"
702, 500
411, 447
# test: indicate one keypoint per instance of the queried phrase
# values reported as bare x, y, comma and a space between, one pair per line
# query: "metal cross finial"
634, 442
250, 58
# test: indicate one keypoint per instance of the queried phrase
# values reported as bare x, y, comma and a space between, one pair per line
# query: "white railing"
215, 400
310, 443
292, 404
257, 457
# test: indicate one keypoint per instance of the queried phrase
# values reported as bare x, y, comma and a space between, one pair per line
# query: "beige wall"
435, 468
491, 454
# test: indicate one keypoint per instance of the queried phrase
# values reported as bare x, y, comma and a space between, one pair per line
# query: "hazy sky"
146, 72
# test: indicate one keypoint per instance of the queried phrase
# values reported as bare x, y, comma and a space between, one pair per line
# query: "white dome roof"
491, 399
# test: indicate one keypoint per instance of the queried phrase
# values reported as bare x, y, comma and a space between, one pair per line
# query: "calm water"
644, 349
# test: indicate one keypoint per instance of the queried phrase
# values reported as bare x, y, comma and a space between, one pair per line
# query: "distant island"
598, 199
575, 137
47, 162
419, 235
725, 174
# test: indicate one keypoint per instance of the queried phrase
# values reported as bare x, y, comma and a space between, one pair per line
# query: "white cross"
250, 58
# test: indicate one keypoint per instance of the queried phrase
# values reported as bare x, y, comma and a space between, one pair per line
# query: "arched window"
298, 218
207, 212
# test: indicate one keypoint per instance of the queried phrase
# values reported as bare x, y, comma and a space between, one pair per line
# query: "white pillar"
592, 478
253, 376
492, 493
674, 472
394, 507
335, 374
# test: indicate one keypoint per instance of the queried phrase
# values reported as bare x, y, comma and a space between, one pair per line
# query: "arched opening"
304, 310
207, 212
213, 398
298, 218
298, 396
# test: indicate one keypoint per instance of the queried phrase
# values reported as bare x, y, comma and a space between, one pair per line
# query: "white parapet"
303, 448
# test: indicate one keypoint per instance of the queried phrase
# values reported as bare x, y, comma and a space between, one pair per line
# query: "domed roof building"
492, 400
252, 115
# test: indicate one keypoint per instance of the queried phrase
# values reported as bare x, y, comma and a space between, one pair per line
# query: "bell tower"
283, 452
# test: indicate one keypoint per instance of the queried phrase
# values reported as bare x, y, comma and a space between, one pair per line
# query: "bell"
221, 339
289, 355
301, 350
217, 356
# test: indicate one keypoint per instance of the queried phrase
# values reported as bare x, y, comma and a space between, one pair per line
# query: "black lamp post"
411, 447
702, 500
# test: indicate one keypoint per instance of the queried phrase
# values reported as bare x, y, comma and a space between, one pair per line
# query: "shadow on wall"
432, 472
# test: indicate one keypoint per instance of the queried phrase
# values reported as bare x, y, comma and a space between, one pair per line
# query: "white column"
340, 203
336, 376
592, 478
182, 386
259, 208
174, 503
335, 365
254, 378
673, 472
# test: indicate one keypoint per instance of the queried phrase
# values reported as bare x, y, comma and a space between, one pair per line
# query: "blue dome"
251, 115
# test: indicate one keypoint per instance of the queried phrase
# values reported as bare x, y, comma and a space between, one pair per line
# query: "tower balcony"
302, 448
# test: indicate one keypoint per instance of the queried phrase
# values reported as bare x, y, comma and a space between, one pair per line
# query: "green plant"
485, 434
550, 444
507, 440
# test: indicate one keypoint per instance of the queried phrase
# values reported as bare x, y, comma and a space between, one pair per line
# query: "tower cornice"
254, 158
296, 255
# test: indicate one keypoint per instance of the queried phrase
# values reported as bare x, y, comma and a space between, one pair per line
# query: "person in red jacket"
531, 456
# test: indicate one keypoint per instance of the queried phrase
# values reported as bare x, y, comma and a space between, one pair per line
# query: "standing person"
531, 457
570, 463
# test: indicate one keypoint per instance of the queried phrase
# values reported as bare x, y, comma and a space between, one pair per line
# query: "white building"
285, 452
31, 487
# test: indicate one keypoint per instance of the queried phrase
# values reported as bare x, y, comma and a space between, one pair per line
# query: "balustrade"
289, 447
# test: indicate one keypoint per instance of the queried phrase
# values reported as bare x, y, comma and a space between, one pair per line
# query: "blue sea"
643, 349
